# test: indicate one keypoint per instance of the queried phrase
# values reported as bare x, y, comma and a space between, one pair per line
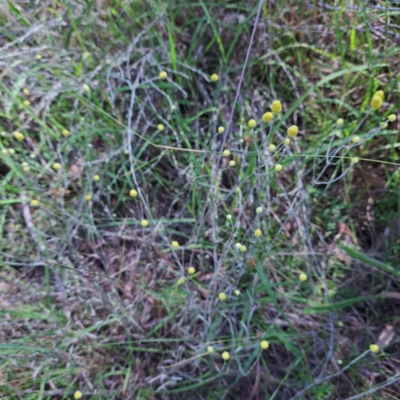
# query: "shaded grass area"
93, 300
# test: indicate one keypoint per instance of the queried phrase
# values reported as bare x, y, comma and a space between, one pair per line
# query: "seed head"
19, 136
226, 153
88, 197
302, 277
133, 193
376, 102
258, 233
278, 167
191, 270
175, 244
293, 131
268, 116
163, 75
356, 139
276, 106
96, 178
374, 348
271, 147
57, 166
264, 344
225, 356
243, 248
214, 78
25, 91
65, 132
222, 296
26, 103
221, 129
77, 395
34, 203
144, 223
160, 127
392, 117
340, 122
232, 163
252, 123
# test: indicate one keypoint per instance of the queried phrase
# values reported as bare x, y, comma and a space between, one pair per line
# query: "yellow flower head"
222, 296
210, 349
96, 178
380, 94
271, 147
88, 197
232, 163
374, 348
57, 166
376, 102
303, 277
181, 281
77, 395
133, 193
278, 167
355, 160
144, 223
392, 117
19, 136
225, 356
384, 125
38, 57
26, 103
214, 78
85, 88
175, 244
26, 168
25, 91
238, 246
221, 129
264, 344
243, 248
65, 132
163, 75
226, 153
160, 127
11, 151
257, 232
268, 116
340, 122
259, 210
276, 106
237, 292
252, 123
293, 131
34, 203
356, 139
287, 141
191, 270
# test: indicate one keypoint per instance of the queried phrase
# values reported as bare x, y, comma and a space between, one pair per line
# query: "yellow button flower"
26, 103
222, 296
19, 136
221, 129
65, 132
264, 344
160, 127
191, 270
268, 116
376, 102
225, 356
57, 166
356, 139
278, 167
232, 163
242, 248
144, 223
96, 178
175, 244
214, 78
276, 106
252, 123
392, 117
257, 232
226, 153
287, 141
374, 348
210, 349
293, 131
163, 75
271, 147
181, 281
133, 193
88, 197
77, 395
34, 203
380, 94
303, 277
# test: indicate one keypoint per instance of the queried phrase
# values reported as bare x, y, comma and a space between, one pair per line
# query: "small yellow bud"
267, 117
356, 139
26, 103
271, 147
210, 349
19, 136
144, 223
26, 168
88, 197
191, 270
133, 193
355, 160
237, 292
374, 348
232, 163
384, 125
221, 129
174, 244
34, 203
65, 132
287, 141
340, 324
160, 127
225, 356
181, 281
38, 57
259, 210
243, 248
238, 246
85, 88
11, 151
303, 277
96, 178
226, 153
276, 106
57, 166
257, 232
293, 131
340, 122
25, 91
380, 94
252, 123
278, 167
214, 78
163, 75
392, 117
77, 395
376, 102
264, 344
222, 296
